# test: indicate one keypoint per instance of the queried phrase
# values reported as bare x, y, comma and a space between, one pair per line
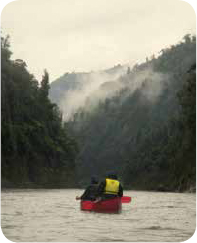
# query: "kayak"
113, 205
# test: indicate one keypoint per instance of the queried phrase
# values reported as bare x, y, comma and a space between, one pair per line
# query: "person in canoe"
91, 192
110, 188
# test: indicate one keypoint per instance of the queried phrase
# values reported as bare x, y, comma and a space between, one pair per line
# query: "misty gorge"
98, 121
138, 121
131, 119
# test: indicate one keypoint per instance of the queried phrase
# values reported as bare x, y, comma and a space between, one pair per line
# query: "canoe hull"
106, 206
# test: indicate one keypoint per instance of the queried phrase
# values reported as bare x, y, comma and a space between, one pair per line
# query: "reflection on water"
54, 215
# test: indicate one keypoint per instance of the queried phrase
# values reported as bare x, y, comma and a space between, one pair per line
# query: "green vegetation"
146, 135
36, 148
144, 130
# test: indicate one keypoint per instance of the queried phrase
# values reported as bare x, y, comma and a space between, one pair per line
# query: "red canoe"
106, 206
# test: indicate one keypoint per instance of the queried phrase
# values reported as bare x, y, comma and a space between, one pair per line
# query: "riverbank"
5, 184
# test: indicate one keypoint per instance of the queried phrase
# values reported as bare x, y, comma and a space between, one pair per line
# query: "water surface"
55, 216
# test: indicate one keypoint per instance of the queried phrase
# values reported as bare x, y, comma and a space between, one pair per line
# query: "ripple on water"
53, 219
159, 228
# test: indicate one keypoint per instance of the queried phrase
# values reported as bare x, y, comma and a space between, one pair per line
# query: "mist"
90, 89
150, 82
97, 86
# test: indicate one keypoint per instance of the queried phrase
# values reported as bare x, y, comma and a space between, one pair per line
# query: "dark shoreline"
6, 185
55, 187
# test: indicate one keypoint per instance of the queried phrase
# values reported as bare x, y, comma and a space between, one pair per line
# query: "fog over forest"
98, 120
95, 87
90, 87
127, 118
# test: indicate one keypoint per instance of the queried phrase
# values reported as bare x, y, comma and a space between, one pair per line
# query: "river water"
55, 216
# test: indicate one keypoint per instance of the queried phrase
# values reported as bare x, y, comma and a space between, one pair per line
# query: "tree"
35, 146
44, 89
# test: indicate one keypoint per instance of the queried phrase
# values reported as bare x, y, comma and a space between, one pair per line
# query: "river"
54, 216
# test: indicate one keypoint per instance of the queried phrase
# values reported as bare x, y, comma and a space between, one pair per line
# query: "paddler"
91, 192
110, 187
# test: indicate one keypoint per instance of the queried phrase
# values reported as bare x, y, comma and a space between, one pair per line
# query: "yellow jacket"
112, 186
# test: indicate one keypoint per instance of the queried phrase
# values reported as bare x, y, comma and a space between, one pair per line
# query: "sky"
83, 35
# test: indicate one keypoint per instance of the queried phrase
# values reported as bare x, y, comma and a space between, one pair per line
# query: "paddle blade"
125, 199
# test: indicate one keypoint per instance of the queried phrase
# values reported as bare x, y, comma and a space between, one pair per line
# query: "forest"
36, 150
145, 130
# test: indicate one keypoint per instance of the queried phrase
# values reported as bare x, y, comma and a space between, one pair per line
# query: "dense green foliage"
150, 143
145, 130
36, 148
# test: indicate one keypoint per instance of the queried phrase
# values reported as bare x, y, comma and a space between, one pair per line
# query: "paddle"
125, 199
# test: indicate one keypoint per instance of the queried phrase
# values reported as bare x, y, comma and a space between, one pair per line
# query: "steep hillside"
140, 131
72, 90
36, 149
